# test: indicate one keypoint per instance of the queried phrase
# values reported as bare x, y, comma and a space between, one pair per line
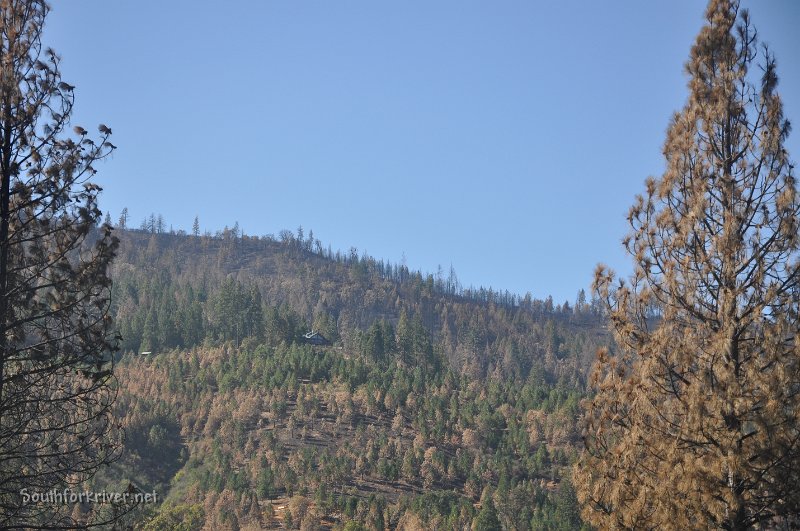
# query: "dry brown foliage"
56, 382
694, 421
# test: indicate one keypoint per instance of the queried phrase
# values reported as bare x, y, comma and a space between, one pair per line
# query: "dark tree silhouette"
56, 376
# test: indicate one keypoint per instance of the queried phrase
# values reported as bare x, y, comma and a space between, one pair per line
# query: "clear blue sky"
507, 138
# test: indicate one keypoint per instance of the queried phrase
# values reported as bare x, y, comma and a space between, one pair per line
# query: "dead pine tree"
56, 339
693, 419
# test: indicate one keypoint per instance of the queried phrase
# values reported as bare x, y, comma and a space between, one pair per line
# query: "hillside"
435, 406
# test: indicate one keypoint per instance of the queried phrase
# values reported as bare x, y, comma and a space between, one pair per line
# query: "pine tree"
123, 219
55, 331
487, 519
694, 421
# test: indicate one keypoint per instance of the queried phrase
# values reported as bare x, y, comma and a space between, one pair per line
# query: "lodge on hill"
315, 338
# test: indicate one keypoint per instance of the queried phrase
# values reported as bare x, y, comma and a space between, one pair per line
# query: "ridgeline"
432, 406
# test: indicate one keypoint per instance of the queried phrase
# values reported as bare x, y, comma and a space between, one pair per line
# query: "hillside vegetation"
435, 407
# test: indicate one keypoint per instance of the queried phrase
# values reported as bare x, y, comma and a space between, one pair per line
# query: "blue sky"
505, 138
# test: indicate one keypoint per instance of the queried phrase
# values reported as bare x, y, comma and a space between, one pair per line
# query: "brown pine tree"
55, 332
694, 420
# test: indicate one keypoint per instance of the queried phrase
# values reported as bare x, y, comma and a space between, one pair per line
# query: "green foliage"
177, 518
235, 312
487, 519
438, 503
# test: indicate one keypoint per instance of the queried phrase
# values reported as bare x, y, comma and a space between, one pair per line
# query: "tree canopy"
694, 419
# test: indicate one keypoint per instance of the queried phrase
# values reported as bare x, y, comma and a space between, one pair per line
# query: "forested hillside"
435, 407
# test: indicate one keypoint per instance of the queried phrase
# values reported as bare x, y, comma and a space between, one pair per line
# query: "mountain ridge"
433, 406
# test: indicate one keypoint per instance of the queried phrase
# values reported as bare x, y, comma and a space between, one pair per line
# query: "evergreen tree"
487, 519
694, 422
123, 219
